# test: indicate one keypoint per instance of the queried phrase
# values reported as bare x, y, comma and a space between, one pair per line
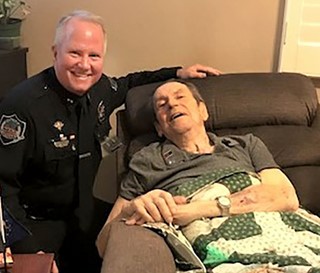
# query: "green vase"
12, 29
10, 34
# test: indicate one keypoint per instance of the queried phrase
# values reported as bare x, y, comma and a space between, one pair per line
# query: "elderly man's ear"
158, 128
203, 111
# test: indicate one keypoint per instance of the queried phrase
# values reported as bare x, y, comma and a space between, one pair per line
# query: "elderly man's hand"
186, 213
197, 71
154, 206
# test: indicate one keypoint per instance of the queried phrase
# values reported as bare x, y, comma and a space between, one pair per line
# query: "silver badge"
101, 112
12, 129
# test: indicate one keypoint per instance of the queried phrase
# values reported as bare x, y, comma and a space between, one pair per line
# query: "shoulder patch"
12, 129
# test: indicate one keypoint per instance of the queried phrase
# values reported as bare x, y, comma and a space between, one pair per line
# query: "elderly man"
54, 128
147, 193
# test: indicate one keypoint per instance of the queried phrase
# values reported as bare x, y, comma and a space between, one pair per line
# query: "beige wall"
232, 35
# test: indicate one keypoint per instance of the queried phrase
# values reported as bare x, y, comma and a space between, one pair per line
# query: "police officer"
52, 127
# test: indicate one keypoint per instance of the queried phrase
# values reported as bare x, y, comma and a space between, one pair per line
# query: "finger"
208, 70
141, 214
180, 200
169, 201
138, 207
199, 75
54, 268
165, 212
132, 220
155, 208
140, 222
214, 72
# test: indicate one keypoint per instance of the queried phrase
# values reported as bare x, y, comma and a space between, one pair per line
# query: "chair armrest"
121, 158
316, 121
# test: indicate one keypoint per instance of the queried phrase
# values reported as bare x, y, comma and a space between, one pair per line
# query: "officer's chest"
57, 126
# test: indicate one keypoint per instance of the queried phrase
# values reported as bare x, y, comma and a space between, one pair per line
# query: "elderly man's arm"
154, 206
275, 193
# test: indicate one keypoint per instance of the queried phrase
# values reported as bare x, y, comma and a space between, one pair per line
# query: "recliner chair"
280, 108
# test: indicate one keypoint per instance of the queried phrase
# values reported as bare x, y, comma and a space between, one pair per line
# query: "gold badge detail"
58, 125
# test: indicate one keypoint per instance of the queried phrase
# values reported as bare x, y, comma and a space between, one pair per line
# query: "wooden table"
31, 263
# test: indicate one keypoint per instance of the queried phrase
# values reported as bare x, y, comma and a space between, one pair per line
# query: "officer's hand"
154, 206
54, 268
197, 71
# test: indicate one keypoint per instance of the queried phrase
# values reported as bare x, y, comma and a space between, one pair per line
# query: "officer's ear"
54, 52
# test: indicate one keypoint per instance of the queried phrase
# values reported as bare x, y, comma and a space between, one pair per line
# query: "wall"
232, 35
229, 34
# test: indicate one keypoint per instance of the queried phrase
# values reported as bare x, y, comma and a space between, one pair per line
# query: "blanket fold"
282, 238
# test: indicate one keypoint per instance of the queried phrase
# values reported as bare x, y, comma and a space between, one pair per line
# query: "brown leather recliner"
280, 108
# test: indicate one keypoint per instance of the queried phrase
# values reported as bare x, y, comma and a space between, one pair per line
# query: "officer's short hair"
82, 15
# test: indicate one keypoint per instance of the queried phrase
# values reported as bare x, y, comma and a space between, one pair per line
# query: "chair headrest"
237, 100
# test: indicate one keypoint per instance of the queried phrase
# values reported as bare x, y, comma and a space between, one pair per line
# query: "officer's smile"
81, 75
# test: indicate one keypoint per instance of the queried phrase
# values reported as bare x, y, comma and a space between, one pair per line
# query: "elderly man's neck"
194, 142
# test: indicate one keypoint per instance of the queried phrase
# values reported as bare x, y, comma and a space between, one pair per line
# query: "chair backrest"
280, 108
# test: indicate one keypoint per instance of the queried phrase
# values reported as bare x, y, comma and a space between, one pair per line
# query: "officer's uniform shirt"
165, 166
39, 139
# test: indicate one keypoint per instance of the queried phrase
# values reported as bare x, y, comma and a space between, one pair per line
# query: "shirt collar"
69, 99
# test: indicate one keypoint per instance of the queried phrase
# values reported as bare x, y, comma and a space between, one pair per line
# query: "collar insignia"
113, 84
101, 111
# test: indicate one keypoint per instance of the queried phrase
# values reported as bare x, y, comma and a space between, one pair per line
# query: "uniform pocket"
59, 157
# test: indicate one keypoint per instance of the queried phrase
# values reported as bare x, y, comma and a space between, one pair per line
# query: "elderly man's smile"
176, 115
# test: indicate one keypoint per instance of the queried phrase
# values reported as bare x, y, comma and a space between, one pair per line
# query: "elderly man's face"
78, 59
177, 111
